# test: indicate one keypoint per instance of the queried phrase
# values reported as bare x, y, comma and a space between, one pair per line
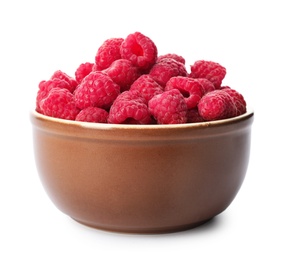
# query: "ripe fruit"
128, 83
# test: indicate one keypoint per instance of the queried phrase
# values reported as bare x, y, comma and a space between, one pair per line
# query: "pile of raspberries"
128, 83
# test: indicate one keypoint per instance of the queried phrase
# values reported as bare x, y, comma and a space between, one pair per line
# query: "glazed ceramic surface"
142, 178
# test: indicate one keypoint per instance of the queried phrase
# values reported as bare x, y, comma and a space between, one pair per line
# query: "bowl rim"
90, 125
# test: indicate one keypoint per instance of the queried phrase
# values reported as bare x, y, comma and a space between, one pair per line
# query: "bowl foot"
144, 230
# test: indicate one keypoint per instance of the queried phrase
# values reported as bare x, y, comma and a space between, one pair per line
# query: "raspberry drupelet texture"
123, 73
189, 88
97, 89
92, 114
140, 50
237, 99
205, 84
215, 105
210, 70
63, 76
59, 103
83, 70
45, 87
172, 56
165, 69
221, 104
129, 108
169, 107
147, 87
108, 52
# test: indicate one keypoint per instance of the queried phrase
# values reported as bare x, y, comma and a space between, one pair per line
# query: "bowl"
142, 178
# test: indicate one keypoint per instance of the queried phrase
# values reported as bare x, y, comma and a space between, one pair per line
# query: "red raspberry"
220, 104
92, 114
97, 89
169, 107
45, 87
147, 87
83, 70
123, 73
215, 105
172, 56
63, 76
165, 69
237, 99
59, 103
206, 85
129, 108
210, 70
140, 50
108, 52
189, 88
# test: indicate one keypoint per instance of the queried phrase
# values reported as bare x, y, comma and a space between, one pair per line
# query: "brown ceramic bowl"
142, 178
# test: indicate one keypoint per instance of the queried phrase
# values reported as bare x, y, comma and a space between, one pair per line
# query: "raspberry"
108, 52
63, 76
129, 108
166, 68
189, 88
59, 103
215, 105
123, 73
147, 87
140, 50
206, 85
169, 107
83, 70
172, 56
92, 114
210, 70
221, 103
237, 99
97, 89
45, 87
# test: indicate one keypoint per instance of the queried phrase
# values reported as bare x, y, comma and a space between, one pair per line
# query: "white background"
39, 37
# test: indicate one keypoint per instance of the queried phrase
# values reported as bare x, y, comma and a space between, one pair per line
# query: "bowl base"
146, 230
